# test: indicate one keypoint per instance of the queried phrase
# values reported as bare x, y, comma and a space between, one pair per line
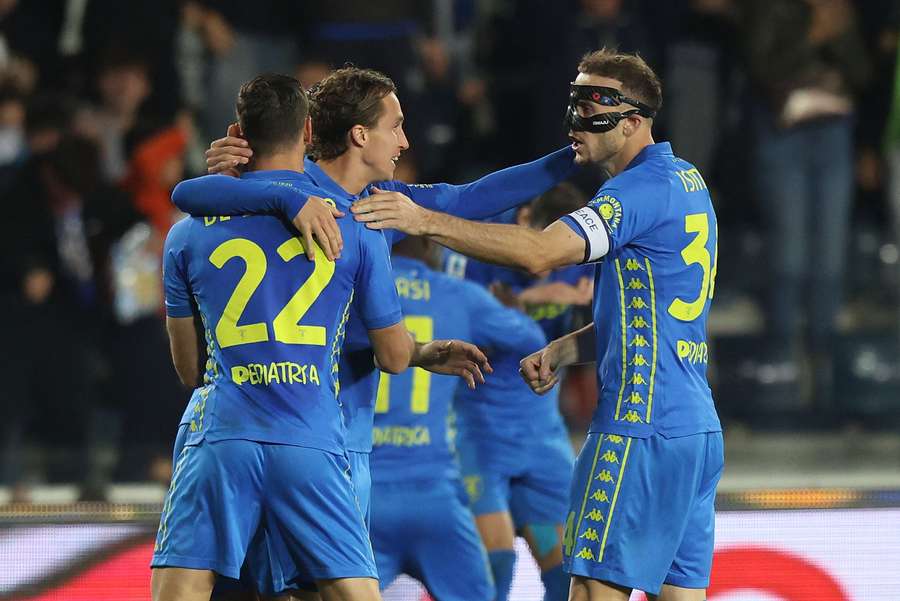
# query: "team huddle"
329, 445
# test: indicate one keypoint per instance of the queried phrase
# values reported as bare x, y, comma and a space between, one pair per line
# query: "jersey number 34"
696, 253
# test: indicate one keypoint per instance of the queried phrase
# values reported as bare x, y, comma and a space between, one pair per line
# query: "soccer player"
421, 526
358, 135
266, 440
514, 450
641, 510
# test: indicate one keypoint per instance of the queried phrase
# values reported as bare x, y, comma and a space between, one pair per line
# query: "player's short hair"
272, 111
348, 97
638, 79
560, 200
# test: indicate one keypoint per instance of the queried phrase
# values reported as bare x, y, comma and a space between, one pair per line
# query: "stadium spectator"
123, 84
241, 41
806, 62
60, 224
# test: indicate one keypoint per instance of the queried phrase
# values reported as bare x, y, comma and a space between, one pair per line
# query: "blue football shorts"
426, 530
642, 510
361, 475
528, 476
223, 492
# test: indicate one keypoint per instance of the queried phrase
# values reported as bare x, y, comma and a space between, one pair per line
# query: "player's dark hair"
560, 200
347, 97
638, 79
272, 110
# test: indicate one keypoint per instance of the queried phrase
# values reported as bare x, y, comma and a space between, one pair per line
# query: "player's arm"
394, 348
541, 368
452, 358
378, 303
493, 193
183, 341
210, 195
310, 214
558, 292
185, 349
509, 245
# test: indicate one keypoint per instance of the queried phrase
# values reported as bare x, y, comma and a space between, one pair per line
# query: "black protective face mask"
601, 122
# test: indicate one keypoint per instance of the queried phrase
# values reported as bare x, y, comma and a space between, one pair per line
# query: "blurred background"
789, 108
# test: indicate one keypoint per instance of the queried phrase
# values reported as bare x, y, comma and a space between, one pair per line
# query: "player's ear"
234, 130
359, 135
307, 131
632, 123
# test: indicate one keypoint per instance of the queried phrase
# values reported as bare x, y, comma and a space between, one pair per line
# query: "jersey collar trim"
660, 149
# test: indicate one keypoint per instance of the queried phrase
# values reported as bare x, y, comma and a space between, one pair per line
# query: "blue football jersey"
274, 321
555, 319
485, 197
652, 296
504, 405
411, 411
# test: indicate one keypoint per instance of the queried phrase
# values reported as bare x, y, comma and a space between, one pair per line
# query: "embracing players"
358, 134
641, 510
264, 442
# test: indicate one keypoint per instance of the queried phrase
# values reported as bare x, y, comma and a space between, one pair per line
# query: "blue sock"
502, 564
556, 584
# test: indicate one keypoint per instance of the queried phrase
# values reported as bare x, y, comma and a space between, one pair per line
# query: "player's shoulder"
179, 234
398, 186
389, 185
361, 244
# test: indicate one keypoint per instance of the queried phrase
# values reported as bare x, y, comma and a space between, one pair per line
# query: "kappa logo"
633, 265
633, 417
639, 341
610, 457
639, 322
615, 439
639, 361
636, 398
604, 476
474, 487
600, 496
585, 553
637, 379
636, 284
590, 534
595, 516
637, 303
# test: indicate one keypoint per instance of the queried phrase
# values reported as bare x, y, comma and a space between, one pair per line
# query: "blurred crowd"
790, 109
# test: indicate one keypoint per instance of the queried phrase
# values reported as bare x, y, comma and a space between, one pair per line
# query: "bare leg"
499, 537
677, 593
496, 530
349, 589
180, 584
587, 589
544, 558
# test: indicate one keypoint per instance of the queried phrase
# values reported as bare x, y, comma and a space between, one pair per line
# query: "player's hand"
229, 154
316, 220
453, 358
540, 370
391, 210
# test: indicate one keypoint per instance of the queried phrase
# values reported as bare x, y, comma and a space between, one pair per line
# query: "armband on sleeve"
594, 232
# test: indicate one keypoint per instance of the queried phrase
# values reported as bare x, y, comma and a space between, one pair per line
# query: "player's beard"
602, 150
